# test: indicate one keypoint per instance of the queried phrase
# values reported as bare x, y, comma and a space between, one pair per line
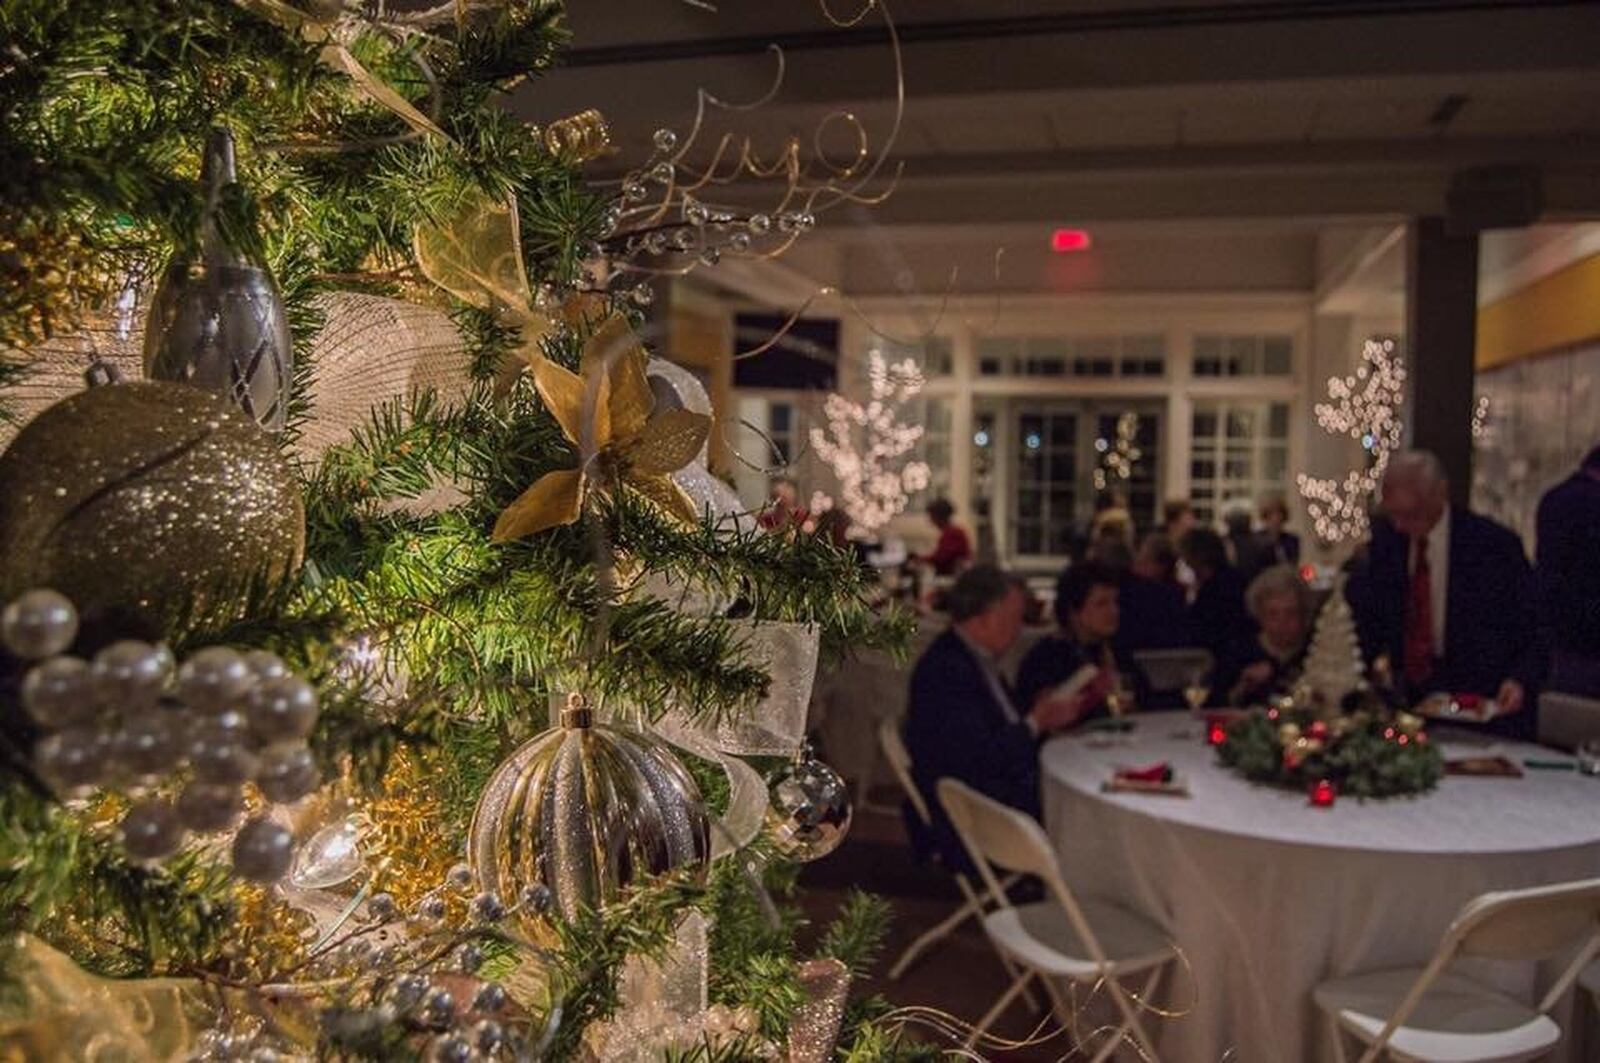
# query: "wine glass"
1195, 693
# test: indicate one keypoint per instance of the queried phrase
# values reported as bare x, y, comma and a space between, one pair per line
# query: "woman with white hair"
1269, 662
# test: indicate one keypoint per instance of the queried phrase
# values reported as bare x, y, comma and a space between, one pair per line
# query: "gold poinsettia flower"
632, 442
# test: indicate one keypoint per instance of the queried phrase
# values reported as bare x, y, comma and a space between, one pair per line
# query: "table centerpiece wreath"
1363, 754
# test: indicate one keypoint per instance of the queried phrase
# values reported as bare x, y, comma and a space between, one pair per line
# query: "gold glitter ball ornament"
587, 812
147, 504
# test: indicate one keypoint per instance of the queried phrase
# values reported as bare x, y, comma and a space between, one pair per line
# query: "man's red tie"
1419, 619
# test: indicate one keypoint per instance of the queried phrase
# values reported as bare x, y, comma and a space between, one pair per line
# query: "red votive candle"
1323, 794
1215, 733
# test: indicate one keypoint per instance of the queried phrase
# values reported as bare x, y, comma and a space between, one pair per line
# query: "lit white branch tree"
1365, 407
1118, 456
866, 446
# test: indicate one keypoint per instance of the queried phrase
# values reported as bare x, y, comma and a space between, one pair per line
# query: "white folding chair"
899, 758
1430, 1013
1567, 720
1092, 941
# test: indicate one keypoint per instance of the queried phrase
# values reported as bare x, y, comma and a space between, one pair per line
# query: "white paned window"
1136, 355
1224, 355
1240, 450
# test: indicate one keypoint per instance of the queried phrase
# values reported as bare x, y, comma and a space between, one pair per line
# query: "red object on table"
1160, 771
1217, 725
1469, 701
1323, 794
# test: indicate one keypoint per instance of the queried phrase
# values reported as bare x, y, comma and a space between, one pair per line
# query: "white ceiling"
1254, 123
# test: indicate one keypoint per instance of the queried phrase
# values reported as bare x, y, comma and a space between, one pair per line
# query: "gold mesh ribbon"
61, 1012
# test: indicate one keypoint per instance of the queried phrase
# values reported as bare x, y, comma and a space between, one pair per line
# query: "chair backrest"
1170, 670
899, 758
997, 835
1528, 924
1566, 720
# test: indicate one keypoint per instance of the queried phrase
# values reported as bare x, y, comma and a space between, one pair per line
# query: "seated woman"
1088, 613
1251, 670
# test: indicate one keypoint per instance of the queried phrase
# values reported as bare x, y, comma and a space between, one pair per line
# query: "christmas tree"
1334, 668
340, 635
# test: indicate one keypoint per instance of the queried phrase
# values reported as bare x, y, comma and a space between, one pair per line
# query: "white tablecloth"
1268, 896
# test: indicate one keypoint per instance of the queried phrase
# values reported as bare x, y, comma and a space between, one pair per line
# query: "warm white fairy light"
1118, 457
1366, 407
865, 446
1481, 413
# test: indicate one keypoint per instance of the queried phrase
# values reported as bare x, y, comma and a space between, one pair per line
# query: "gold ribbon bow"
608, 411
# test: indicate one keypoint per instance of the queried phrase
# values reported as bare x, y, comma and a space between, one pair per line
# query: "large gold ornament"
146, 504
607, 409
587, 812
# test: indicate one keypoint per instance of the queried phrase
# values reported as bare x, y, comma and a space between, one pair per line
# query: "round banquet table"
1267, 896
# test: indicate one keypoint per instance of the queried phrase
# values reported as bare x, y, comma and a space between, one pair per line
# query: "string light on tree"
1118, 457
1366, 407
866, 446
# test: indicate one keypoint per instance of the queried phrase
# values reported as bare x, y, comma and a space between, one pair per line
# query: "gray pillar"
1442, 320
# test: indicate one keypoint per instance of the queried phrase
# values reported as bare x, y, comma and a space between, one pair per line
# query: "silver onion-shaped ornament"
809, 812
217, 320
586, 811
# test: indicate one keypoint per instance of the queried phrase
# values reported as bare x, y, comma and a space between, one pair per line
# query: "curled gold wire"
580, 137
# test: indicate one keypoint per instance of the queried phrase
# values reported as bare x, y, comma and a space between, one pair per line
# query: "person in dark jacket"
1449, 597
1088, 614
1280, 545
1217, 617
1247, 550
962, 721
1569, 578
1254, 669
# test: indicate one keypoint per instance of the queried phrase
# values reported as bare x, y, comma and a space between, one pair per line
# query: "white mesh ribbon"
788, 654
372, 351
774, 728
663, 1000
675, 387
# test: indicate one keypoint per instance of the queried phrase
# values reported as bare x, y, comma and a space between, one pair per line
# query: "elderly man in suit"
962, 721
1449, 597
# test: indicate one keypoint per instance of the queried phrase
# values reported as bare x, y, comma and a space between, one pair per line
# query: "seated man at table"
1087, 610
1256, 668
1449, 597
961, 720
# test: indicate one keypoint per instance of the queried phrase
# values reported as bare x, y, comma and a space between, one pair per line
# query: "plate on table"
1467, 708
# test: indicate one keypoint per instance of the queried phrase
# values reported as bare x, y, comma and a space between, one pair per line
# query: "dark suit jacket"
955, 728
1251, 553
1569, 565
1153, 617
1286, 551
1491, 620
1217, 616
